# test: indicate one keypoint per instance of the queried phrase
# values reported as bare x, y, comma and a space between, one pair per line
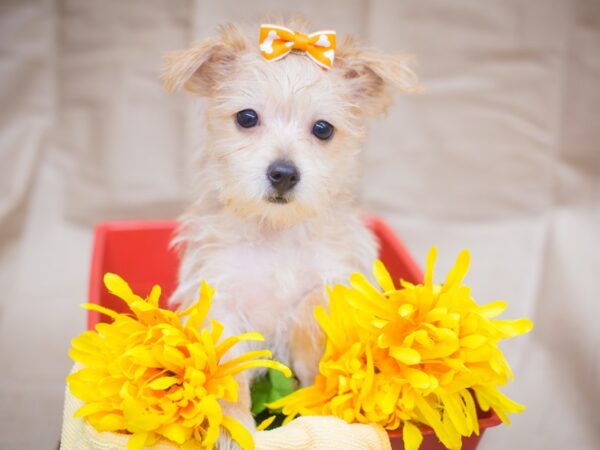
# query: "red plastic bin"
139, 252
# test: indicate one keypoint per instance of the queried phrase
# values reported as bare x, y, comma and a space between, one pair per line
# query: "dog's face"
283, 136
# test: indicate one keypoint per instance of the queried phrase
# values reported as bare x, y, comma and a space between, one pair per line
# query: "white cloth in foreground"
303, 433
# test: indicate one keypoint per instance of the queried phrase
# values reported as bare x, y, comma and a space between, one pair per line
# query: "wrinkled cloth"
77, 434
303, 433
323, 433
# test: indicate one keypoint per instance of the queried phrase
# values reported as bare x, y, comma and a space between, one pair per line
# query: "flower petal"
119, 287
412, 436
238, 433
265, 423
383, 276
492, 309
405, 355
100, 309
137, 441
431, 257
160, 384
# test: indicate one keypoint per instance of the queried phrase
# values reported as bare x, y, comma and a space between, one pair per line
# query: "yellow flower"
151, 375
410, 356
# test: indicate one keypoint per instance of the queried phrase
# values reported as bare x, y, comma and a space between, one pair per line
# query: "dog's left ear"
373, 75
201, 68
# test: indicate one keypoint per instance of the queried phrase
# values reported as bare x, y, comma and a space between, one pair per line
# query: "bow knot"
277, 42
300, 42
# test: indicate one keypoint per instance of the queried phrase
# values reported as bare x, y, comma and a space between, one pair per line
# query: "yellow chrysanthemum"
151, 375
410, 356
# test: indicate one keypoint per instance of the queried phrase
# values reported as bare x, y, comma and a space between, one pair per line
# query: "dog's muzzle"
283, 176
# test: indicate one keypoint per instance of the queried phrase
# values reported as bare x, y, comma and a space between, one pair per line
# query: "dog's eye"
323, 130
247, 118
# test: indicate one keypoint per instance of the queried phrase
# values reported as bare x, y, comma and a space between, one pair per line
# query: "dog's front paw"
243, 416
307, 340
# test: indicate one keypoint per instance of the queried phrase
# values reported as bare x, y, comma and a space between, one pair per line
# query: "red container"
139, 252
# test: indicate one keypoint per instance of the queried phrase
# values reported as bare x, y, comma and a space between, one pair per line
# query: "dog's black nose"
283, 176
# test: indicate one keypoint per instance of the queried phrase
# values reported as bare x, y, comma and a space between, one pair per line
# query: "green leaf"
281, 385
269, 388
260, 393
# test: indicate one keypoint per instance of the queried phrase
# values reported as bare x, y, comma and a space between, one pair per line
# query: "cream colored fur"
271, 262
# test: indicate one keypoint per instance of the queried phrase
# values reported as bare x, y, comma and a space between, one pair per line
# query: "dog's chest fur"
267, 279
261, 275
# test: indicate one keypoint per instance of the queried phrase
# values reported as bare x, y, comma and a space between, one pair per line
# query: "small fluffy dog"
274, 219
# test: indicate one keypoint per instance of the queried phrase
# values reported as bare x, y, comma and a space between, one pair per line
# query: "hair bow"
277, 41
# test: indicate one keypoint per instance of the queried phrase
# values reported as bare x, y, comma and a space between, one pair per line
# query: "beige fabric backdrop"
500, 154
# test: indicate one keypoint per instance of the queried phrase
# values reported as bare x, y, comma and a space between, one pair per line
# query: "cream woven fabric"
304, 433
77, 434
323, 433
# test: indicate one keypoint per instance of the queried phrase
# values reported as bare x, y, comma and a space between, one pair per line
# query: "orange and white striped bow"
277, 41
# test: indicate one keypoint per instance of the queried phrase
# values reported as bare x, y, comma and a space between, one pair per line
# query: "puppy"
274, 219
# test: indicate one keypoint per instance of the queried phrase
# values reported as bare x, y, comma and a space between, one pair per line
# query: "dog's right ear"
373, 75
201, 68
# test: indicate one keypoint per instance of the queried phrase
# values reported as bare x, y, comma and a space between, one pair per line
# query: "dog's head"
283, 136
